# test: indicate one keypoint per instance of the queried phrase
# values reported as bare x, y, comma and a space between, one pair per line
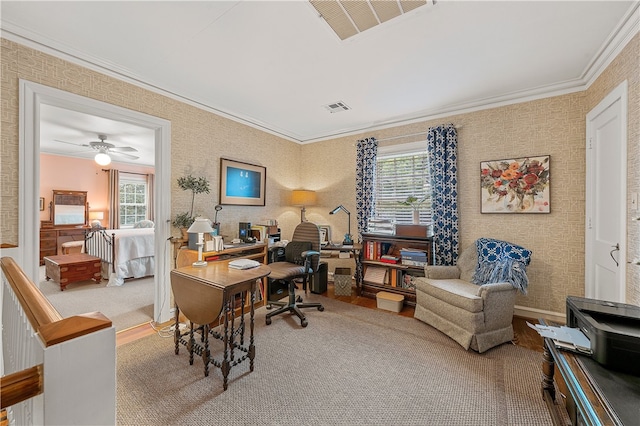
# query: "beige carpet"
126, 306
350, 366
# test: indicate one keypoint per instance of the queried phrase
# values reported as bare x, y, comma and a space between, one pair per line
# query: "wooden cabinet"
48, 243
383, 266
585, 391
51, 240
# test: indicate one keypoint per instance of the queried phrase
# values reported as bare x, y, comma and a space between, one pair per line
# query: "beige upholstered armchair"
476, 316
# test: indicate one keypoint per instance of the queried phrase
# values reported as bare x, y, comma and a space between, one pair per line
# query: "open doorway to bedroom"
44, 110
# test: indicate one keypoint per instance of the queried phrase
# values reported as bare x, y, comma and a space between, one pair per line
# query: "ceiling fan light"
102, 159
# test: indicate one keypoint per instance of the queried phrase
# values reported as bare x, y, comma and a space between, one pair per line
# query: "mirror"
69, 208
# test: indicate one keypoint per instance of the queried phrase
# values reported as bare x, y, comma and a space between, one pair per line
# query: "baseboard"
535, 314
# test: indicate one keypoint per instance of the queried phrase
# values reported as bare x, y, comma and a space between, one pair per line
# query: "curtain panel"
114, 199
442, 146
366, 153
151, 213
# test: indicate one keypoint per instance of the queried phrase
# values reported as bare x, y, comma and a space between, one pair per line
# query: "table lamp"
303, 198
95, 217
200, 226
347, 236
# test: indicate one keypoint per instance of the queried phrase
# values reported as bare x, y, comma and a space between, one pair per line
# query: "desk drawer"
47, 234
48, 245
71, 232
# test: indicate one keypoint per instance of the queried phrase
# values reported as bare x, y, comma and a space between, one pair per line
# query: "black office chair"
302, 255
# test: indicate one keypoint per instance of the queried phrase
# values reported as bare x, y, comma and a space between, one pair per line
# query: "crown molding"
628, 27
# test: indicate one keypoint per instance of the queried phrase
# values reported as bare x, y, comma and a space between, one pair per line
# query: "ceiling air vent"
337, 107
350, 17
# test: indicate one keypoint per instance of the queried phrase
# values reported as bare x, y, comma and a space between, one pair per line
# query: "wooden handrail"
35, 305
50, 326
44, 318
20, 386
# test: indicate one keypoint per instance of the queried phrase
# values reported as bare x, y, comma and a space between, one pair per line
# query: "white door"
606, 197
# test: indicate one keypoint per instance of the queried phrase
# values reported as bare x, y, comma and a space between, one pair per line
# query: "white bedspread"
134, 257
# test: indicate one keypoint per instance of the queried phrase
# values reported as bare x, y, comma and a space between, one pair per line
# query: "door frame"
619, 93
32, 95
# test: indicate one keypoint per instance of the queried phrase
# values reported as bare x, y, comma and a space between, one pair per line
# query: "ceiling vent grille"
350, 17
337, 107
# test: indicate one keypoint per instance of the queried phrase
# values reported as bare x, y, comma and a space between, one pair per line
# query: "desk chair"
302, 256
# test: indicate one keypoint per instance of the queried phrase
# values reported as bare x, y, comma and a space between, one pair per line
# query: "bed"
125, 253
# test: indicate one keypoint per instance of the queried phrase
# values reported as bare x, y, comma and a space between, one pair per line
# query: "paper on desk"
564, 337
243, 264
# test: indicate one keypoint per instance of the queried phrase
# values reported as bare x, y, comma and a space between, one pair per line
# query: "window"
133, 199
403, 171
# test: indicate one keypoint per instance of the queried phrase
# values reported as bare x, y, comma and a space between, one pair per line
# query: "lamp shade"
303, 197
200, 226
96, 215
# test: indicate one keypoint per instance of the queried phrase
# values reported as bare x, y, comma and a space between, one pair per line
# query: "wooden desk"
356, 249
594, 394
205, 295
256, 251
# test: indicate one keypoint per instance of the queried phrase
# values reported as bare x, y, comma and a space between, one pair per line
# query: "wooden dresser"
51, 240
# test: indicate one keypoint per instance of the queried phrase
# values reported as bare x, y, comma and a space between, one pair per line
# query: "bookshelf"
391, 262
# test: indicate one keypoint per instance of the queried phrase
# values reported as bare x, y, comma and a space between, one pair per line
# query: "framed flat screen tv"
242, 184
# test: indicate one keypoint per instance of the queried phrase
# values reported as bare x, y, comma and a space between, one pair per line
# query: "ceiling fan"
105, 149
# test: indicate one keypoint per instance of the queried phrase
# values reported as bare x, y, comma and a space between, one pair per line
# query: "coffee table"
71, 268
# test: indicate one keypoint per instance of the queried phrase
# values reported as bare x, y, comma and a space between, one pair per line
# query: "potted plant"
414, 203
197, 186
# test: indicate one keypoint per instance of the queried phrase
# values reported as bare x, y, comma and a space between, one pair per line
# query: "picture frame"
325, 234
242, 184
516, 185
41, 204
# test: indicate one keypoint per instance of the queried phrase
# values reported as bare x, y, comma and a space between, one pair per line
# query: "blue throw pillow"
501, 261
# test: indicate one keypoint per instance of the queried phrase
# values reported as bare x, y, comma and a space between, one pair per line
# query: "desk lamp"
200, 226
347, 236
303, 198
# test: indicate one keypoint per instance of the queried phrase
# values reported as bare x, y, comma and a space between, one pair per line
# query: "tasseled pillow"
501, 261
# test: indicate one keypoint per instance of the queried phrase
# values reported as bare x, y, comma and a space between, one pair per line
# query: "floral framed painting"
518, 185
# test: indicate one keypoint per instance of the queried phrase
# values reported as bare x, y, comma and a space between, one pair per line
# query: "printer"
613, 330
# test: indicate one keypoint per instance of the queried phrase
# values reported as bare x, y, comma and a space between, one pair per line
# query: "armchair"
476, 316
302, 256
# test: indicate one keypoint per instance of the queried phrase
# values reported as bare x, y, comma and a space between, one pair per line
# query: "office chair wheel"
299, 299
321, 308
268, 321
304, 323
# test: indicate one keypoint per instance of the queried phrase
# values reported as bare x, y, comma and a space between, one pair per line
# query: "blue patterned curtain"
442, 146
367, 151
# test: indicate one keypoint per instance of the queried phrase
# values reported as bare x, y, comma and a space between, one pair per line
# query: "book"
376, 275
387, 258
243, 264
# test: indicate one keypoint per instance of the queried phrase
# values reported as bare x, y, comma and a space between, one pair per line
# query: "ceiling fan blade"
70, 143
123, 149
122, 154
85, 152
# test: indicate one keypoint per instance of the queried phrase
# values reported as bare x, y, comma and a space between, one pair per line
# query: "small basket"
342, 282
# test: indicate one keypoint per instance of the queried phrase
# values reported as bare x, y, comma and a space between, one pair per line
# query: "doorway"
32, 96
606, 198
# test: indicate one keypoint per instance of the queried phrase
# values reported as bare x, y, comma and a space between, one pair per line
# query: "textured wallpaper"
553, 126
